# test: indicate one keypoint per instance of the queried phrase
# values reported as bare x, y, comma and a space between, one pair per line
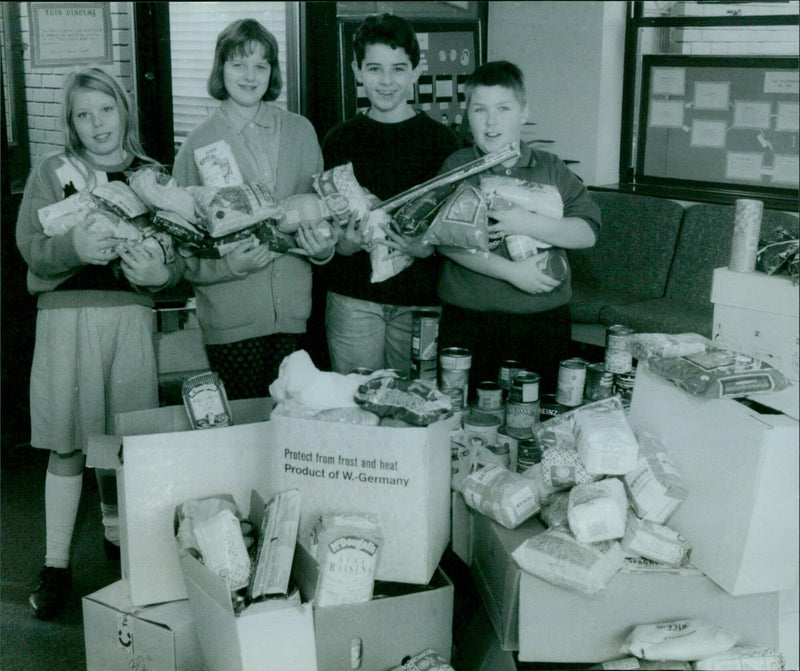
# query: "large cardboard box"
402, 475
120, 636
758, 314
742, 470
266, 636
383, 631
541, 620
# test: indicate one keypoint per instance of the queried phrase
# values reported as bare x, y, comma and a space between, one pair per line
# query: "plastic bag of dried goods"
507, 498
685, 640
461, 222
597, 510
719, 373
743, 657
631, 663
543, 199
558, 431
219, 539
655, 487
415, 216
159, 191
341, 193
119, 198
645, 345
605, 441
655, 541
300, 380
417, 402
555, 555
562, 468
427, 660
385, 262
346, 546
228, 209
554, 511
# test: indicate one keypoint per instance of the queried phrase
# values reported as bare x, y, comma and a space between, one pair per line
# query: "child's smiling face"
495, 117
387, 76
98, 124
246, 75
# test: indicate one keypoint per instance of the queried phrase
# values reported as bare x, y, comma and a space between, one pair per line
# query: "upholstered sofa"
652, 267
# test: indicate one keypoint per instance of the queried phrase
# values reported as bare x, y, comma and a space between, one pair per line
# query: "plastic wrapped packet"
655, 541
683, 640
748, 657
178, 227
160, 192
59, 217
417, 402
341, 193
645, 345
206, 402
605, 441
346, 547
554, 512
427, 660
222, 547
228, 209
385, 262
631, 663
544, 199
461, 222
562, 468
119, 198
556, 556
597, 510
415, 216
507, 498
778, 253
655, 487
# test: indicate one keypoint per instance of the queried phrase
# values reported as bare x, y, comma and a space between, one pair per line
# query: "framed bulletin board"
712, 123
449, 52
64, 34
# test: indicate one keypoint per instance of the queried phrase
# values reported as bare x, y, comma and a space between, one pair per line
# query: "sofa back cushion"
635, 248
704, 244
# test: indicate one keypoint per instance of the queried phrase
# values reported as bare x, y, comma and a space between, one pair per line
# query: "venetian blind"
194, 27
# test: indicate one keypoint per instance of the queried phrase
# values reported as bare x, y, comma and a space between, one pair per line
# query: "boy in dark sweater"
392, 147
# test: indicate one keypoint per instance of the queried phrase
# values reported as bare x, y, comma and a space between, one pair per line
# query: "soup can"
508, 369
521, 418
524, 387
456, 397
424, 339
599, 382
480, 428
549, 407
490, 395
623, 386
454, 365
618, 349
571, 380
555, 266
529, 453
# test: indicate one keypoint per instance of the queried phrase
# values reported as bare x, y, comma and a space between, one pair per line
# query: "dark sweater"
387, 159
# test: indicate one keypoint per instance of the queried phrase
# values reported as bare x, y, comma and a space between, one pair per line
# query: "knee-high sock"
62, 496
107, 485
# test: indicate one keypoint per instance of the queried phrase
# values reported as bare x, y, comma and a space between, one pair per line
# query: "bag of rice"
655, 541
655, 487
562, 468
684, 640
461, 222
597, 510
743, 657
507, 498
556, 556
604, 439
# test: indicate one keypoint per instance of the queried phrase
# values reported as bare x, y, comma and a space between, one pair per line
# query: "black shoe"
49, 596
111, 549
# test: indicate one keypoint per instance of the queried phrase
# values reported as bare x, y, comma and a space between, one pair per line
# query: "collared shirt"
259, 135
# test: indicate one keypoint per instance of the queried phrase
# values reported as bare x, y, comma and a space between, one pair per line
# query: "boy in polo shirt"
500, 308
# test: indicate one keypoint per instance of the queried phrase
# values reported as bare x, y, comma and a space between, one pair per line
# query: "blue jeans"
366, 334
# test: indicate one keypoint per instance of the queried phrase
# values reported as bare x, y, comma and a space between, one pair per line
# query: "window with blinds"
194, 27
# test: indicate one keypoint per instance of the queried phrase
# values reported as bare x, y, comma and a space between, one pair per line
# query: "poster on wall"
64, 34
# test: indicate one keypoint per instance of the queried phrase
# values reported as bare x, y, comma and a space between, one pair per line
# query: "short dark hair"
387, 29
233, 41
497, 73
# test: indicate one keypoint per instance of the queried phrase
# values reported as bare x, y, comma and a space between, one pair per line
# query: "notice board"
719, 122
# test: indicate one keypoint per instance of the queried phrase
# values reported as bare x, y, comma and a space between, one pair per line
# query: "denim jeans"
366, 334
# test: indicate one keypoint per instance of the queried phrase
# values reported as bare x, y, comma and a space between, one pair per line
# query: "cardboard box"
268, 635
383, 631
120, 637
402, 475
461, 527
741, 467
480, 649
758, 314
541, 620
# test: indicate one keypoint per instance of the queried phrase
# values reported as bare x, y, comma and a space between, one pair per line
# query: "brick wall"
43, 86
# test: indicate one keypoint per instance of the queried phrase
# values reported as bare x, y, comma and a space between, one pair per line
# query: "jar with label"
524, 387
490, 395
480, 428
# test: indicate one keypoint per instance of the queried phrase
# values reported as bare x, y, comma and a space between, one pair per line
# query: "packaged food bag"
417, 402
645, 345
562, 468
178, 227
160, 192
221, 544
605, 441
385, 262
555, 555
415, 216
228, 209
341, 193
427, 660
630, 663
656, 542
544, 199
461, 222
507, 498
743, 657
655, 487
119, 198
719, 373
554, 511
597, 510
684, 640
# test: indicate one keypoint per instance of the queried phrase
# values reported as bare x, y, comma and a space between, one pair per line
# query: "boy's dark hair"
497, 73
233, 41
387, 29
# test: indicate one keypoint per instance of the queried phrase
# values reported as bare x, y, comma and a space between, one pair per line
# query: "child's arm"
525, 275
569, 232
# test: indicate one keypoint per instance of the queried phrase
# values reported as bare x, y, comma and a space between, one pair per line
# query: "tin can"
490, 395
599, 382
480, 428
623, 386
424, 340
508, 441
549, 407
521, 418
618, 349
500, 412
746, 234
361, 370
555, 266
454, 365
456, 397
571, 380
508, 369
529, 453
502, 455
524, 387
